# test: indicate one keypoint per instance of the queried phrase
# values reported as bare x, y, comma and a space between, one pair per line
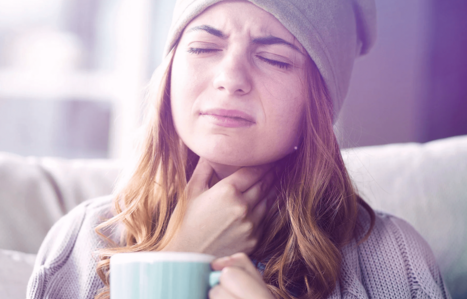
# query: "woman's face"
237, 86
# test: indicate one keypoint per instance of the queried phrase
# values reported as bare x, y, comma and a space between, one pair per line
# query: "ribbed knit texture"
395, 261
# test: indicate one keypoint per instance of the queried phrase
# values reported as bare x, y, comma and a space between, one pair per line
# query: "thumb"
199, 181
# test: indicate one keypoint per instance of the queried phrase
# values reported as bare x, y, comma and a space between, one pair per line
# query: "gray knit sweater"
395, 262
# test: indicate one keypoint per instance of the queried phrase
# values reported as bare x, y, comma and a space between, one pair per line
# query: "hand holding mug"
239, 279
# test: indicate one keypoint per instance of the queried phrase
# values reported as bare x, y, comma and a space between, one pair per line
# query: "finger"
259, 190
219, 292
239, 260
199, 181
242, 284
244, 178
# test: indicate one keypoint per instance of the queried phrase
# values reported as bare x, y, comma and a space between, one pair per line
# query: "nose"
233, 75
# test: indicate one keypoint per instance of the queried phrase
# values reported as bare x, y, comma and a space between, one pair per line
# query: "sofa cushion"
15, 269
425, 184
36, 192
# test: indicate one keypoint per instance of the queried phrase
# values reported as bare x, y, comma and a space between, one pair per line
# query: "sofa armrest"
36, 192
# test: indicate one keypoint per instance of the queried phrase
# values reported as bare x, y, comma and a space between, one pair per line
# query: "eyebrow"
267, 40
272, 40
209, 29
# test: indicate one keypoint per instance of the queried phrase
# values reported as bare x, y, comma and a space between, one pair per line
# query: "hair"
314, 216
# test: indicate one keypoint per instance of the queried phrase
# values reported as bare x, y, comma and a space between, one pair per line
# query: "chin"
232, 158
237, 157
236, 152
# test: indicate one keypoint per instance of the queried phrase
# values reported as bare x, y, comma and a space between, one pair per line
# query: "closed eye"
201, 50
279, 64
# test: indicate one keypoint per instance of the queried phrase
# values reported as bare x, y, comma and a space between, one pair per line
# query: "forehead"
242, 17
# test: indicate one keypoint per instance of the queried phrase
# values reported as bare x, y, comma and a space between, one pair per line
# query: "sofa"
425, 184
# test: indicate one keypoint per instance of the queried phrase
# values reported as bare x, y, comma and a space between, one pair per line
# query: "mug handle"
214, 277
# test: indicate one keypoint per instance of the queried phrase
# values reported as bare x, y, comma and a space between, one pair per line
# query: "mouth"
228, 118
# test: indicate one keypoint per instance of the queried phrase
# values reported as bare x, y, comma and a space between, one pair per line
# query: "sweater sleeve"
66, 262
420, 264
396, 262
54, 252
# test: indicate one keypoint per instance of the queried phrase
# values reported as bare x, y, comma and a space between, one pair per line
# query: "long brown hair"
314, 215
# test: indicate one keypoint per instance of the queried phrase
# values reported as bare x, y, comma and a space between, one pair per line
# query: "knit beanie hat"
334, 33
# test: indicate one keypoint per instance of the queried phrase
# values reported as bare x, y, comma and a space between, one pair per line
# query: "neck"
221, 171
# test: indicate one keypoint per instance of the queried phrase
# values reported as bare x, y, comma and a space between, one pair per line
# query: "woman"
239, 160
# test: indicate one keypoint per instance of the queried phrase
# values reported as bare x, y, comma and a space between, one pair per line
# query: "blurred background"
72, 74
412, 86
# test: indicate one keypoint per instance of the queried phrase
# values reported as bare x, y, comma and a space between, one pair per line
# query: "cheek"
286, 126
185, 87
179, 98
284, 111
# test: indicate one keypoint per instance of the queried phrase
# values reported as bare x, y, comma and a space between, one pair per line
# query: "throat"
222, 171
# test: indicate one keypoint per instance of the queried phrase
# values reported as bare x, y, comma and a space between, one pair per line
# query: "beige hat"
334, 33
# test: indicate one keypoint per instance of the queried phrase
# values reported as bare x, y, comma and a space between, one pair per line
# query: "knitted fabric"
394, 262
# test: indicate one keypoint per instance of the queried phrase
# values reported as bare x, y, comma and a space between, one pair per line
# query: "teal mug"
161, 275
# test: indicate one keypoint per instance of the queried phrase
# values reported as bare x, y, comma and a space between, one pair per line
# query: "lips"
228, 118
